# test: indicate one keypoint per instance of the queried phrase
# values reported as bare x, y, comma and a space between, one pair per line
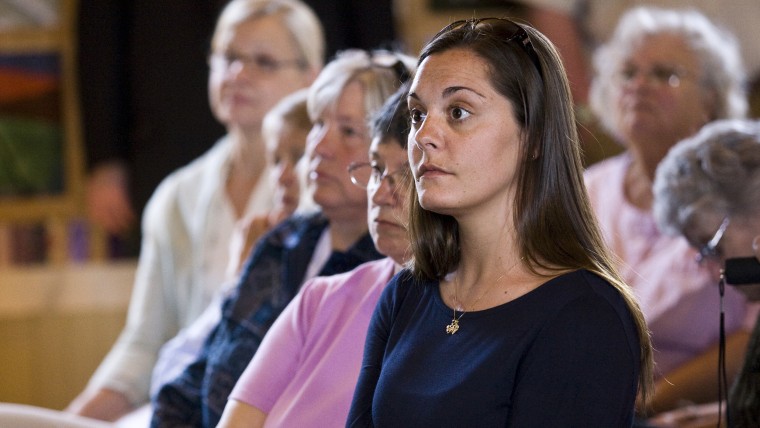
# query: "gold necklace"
453, 327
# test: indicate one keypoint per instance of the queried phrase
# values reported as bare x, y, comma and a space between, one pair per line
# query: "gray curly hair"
718, 169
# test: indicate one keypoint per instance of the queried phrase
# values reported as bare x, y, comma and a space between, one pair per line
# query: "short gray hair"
716, 170
716, 48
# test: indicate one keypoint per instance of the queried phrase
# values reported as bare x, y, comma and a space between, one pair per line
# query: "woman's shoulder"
358, 281
403, 284
578, 291
584, 284
210, 162
606, 172
591, 302
184, 183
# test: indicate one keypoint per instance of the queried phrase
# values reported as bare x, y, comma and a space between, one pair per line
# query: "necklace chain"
453, 327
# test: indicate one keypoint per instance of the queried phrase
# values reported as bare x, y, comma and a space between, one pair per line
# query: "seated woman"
707, 189
512, 313
306, 368
284, 129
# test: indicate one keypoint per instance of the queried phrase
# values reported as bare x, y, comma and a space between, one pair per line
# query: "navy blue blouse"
564, 355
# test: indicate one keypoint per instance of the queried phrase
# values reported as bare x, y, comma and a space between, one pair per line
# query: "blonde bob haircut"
300, 20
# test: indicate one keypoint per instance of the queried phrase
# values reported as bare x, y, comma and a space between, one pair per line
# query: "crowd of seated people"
512, 273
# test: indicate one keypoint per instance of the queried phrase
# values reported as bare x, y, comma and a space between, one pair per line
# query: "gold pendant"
453, 327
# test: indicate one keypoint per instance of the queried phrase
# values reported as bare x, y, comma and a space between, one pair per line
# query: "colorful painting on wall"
31, 137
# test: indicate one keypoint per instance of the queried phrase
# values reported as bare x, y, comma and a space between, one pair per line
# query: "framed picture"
41, 166
41, 158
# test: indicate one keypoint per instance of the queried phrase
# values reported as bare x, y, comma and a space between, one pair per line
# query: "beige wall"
56, 325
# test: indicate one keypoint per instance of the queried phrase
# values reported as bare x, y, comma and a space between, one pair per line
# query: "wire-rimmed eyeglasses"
369, 175
710, 249
222, 61
659, 75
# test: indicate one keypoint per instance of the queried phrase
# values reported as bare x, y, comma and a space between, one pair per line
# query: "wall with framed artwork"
41, 160
59, 312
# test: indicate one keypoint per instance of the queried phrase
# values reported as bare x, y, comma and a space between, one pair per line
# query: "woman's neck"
345, 232
638, 179
487, 250
248, 153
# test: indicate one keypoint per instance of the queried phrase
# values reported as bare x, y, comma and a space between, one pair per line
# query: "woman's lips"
380, 222
430, 170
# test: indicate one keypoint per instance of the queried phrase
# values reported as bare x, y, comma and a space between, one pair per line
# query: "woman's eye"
350, 132
416, 116
458, 113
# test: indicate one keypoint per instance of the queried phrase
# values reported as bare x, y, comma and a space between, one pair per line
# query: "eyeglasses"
368, 175
658, 75
504, 29
259, 62
710, 249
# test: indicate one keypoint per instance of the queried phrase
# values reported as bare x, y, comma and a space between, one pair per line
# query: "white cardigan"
187, 229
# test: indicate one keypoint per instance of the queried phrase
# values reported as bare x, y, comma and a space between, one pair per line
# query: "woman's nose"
428, 135
319, 140
382, 193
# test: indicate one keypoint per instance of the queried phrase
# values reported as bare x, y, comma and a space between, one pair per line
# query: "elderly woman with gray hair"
707, 189
662, 76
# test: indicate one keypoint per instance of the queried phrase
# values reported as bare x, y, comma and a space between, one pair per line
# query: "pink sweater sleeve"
272, 368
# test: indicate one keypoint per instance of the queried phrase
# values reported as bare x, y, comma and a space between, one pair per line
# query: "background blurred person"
707, 189
350, 88
594, 22
662, 76
140, 64
305, 371
284, 129
578, 27
262, 50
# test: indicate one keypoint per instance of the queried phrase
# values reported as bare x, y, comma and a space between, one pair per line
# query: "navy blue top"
563, 355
